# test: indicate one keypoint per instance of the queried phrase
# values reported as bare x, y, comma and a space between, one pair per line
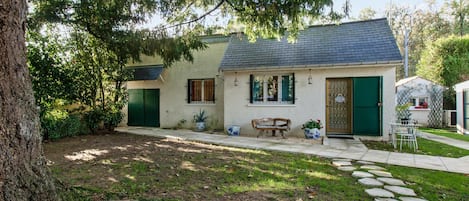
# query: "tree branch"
199, 18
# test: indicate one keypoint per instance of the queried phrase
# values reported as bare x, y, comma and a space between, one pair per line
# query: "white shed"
462, 106
418, 92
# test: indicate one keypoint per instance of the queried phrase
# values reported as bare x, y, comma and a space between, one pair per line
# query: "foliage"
50, 76
93, 119
201, 116
58, 123
423, 24
312, 124
402, 111
446, 61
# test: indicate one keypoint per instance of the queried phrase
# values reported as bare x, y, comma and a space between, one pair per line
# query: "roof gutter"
319, 66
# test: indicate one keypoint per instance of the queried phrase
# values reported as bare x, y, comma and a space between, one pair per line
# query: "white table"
407, 133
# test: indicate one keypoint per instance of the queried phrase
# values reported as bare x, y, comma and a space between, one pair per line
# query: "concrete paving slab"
341, 163
429, 162
401, 190
456, 165
385, 199
450, 141
330, 153
401, 159
361, 174
391, 181
372, 167
370, 182
376, 156
353, 154
411, 199
379, 192
380, 173
347, 168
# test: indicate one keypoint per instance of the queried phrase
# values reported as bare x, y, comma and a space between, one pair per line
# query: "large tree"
23, 171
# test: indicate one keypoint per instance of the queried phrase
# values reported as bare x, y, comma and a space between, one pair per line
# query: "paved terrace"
332, 148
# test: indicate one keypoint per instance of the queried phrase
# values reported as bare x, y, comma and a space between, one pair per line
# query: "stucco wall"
459, 88
173, 87
310, 98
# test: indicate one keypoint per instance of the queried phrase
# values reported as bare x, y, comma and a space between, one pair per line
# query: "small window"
420, 103
278, 89
201, 91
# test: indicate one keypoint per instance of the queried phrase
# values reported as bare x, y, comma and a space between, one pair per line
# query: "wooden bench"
271, 124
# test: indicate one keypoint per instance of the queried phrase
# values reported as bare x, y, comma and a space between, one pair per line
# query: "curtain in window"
209, 90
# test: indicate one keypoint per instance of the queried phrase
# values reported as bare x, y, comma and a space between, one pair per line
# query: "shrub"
58, 123
93, 119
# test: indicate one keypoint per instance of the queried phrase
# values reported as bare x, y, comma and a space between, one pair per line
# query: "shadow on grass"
123, 166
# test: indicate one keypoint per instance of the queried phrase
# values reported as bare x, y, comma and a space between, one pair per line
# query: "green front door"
367, 106
143, 107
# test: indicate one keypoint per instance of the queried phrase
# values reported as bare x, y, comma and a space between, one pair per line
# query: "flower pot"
199, 126
312, 133
233, 130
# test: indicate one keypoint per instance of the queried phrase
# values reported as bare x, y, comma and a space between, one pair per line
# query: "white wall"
310, 99
459, 88
173, 88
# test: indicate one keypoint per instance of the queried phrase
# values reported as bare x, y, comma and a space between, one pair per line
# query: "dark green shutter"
285, 87
189, 91
293, 89
251, 86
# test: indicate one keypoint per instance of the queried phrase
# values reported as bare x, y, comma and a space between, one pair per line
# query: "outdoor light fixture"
310, 78
236, 79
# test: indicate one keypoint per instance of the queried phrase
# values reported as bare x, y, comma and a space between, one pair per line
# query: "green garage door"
144, 107
367, 106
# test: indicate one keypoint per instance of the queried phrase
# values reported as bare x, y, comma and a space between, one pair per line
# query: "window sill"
200, 104
419, 109
270, 105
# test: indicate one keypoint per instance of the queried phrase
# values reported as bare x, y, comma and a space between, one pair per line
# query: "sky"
380, 5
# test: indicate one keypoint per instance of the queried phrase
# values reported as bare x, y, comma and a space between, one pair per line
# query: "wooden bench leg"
283, 136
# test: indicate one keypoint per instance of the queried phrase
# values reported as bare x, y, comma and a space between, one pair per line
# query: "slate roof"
353, 43
146, 72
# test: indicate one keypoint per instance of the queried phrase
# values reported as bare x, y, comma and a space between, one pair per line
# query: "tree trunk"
23, 171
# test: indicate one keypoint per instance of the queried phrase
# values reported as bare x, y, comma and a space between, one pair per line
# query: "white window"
419, 102
278, 89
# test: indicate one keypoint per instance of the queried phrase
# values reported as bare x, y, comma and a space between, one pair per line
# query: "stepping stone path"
383, 186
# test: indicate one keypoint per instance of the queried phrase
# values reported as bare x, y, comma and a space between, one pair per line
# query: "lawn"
426, 147
451, 133
131, 167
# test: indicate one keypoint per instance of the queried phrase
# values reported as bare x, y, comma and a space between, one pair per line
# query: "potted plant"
199, 120
403, 113
311, 129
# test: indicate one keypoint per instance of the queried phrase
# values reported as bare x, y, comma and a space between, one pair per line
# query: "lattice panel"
435, 117
403, 97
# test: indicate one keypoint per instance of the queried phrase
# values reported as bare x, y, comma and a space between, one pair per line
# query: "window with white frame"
272, 88
201, 91
419, 102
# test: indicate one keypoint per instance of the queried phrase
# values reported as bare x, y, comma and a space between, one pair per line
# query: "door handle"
380, 104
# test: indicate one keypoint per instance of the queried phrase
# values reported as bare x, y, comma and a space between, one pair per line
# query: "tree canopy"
446, 61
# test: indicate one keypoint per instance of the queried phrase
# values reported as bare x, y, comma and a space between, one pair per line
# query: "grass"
156, 169
432, 184
126, 167
426, 147
446, 132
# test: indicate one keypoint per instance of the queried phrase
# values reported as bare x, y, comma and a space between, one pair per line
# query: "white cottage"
343, 75
462, 107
